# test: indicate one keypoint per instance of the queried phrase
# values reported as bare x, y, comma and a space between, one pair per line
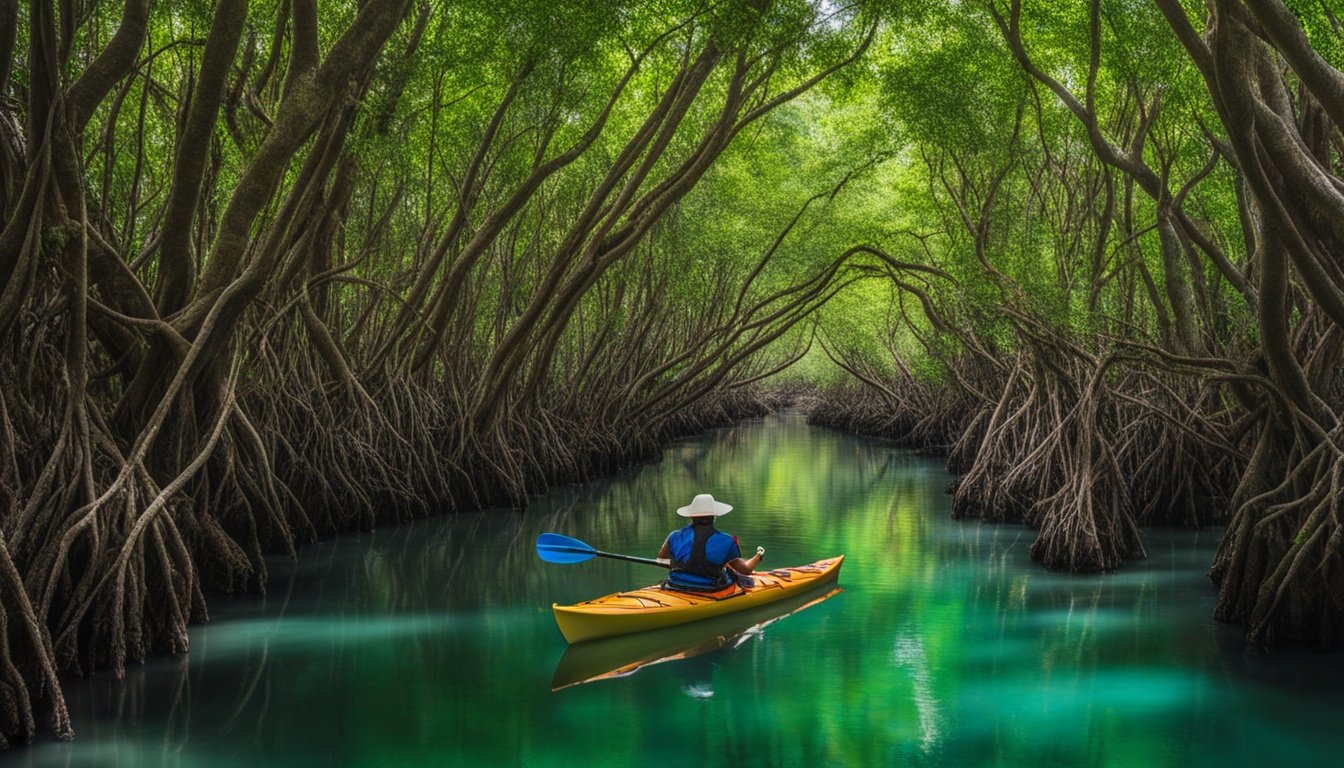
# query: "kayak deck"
654, 607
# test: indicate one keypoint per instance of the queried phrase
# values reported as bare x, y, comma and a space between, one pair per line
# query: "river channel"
432, 643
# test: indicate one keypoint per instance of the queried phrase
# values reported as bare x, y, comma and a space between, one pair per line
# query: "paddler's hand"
760, 553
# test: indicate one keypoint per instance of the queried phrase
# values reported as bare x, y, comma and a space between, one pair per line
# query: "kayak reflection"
627, 654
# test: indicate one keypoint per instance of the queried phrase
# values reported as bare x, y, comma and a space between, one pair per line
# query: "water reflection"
433, 642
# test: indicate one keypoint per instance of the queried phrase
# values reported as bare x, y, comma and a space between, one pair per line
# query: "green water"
433, 643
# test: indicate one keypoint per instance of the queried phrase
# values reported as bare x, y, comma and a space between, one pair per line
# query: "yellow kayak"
624, 655
655, 607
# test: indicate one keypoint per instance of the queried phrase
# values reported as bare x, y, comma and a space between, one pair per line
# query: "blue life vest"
699, 553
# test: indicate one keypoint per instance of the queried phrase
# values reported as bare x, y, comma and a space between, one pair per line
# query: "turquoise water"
433, 643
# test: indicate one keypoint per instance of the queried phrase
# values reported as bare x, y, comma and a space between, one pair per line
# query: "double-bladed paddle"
555, 548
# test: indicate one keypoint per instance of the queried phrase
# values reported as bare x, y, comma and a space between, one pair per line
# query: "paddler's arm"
748, 565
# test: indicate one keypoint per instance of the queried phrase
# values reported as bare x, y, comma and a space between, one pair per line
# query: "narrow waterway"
432, 643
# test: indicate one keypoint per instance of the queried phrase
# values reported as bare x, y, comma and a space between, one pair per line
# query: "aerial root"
1278, 568
1080, 446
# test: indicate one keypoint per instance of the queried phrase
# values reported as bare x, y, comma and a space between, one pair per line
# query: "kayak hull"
654, 607
613, 657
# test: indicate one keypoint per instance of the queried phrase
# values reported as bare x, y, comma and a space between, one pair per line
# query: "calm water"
433, 643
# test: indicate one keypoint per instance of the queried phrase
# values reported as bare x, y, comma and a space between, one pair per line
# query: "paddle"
554, 548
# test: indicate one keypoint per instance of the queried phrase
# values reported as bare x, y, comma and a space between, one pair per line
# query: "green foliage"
936, 114
946, 83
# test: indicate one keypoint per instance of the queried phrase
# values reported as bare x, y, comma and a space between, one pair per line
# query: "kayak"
655, 607
624, 655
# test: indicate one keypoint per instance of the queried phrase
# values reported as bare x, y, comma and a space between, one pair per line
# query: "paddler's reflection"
694, 675
698, 690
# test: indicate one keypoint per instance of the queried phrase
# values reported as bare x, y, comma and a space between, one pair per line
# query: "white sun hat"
704, 505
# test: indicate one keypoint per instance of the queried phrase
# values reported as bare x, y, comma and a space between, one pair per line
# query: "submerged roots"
1086, 449
109, 546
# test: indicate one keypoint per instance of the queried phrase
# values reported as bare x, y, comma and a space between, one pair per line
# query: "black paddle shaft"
631, 558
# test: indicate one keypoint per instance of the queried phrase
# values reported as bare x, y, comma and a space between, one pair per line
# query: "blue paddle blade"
554, 548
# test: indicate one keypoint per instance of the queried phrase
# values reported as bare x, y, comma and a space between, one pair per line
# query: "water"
433, 643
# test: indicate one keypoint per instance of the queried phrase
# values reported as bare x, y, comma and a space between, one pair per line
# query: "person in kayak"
703, 558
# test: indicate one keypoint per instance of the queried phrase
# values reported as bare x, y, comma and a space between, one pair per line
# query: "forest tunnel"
270, 271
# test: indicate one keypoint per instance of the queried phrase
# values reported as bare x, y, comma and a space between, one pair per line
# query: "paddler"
703, 558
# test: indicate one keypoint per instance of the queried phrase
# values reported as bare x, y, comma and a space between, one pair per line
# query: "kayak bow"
655, 607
